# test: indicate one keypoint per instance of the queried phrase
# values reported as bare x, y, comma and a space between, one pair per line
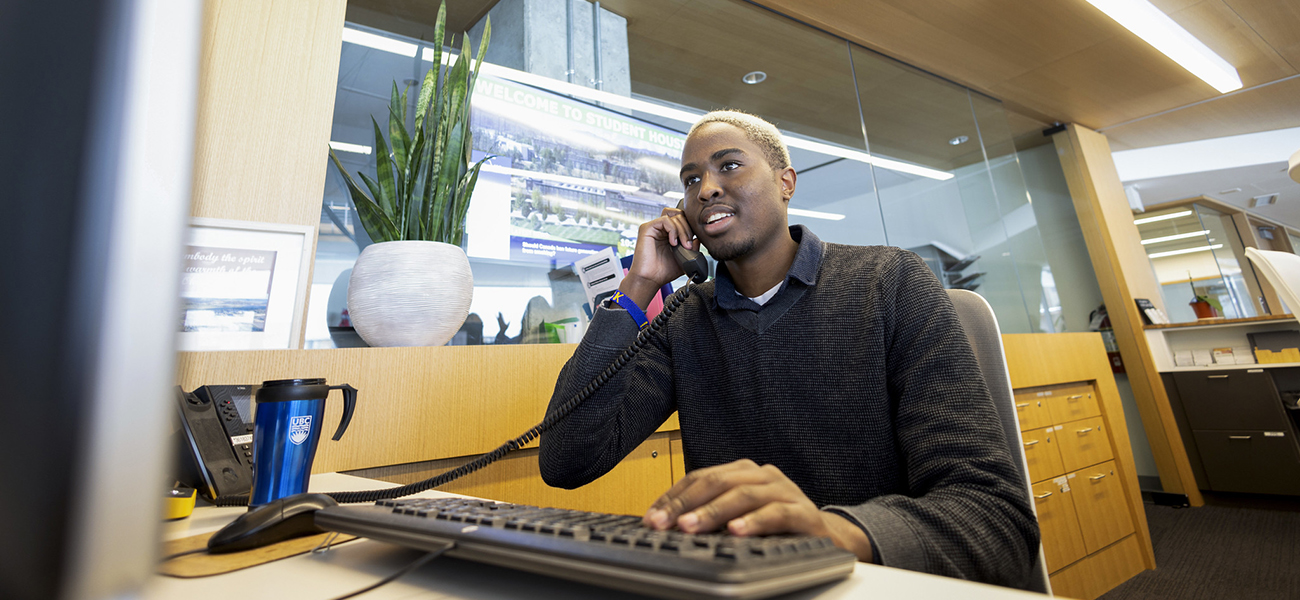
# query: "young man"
821, 389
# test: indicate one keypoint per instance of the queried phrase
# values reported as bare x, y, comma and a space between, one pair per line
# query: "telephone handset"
692, 262
216, 439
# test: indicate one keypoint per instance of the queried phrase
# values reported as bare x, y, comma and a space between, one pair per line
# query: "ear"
787, 179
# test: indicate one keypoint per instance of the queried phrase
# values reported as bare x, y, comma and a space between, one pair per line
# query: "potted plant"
1200, 303
413, 286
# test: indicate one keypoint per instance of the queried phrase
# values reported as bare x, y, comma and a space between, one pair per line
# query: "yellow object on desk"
179, 503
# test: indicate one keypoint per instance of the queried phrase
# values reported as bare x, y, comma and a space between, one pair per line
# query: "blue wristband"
638, 315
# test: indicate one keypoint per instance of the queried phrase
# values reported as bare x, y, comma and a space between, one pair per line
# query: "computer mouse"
275, 521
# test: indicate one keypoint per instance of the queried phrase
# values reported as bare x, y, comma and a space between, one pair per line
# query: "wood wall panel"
266, 101
414, 404
630, 488
1124, 273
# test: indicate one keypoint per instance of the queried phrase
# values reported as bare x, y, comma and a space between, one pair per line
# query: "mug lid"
281, 382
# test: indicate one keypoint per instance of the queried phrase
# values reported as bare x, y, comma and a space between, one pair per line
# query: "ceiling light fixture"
1156, 28
961, 139
1185, 251
754, 77
813, 214
1166, 217
1180, 236
346, 147
371, 40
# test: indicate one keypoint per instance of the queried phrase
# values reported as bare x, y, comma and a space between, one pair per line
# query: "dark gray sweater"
855, 380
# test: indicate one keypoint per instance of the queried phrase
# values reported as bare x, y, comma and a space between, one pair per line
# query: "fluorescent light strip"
813, 214
346, 147
1181, 213
618, 187
1184, 251
1180, 236
379, 42
1156, 28
371, 40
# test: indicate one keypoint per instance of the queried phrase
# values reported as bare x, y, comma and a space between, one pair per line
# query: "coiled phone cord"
674, 302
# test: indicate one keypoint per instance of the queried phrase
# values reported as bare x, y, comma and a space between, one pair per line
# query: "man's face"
735, 201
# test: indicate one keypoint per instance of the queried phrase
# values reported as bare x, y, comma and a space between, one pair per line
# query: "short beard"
725, 252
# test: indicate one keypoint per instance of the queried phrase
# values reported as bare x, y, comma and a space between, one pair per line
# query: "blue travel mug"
286, 429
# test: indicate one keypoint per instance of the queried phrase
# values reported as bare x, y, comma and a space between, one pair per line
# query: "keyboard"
613, 551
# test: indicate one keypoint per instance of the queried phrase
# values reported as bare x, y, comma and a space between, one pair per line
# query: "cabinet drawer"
1083, 443
1031, 411
1041, 454
1072, 403
1230, 400
1256, 461
1062, 540
1103, 510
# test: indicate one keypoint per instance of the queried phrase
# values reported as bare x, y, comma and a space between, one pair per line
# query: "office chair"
981, 327
1282, 270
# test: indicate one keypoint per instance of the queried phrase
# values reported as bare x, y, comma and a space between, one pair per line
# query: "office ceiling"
1066, 61
1047, 61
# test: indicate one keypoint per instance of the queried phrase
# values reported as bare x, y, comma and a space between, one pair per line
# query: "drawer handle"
1083, 431
1216, 376
1042, 495
1098, 477
1075, 397
1028, 444
1020, 405
1238, 437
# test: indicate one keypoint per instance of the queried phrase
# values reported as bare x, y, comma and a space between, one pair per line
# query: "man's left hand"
749, 499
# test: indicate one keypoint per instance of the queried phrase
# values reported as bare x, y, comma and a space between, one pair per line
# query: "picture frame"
243, 285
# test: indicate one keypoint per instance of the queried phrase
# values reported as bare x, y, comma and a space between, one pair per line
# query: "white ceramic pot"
410, 293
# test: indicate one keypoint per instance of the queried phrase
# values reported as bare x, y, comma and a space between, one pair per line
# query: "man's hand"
653, 264
750, 500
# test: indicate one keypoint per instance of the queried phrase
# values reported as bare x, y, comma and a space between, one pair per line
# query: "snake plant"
424, 181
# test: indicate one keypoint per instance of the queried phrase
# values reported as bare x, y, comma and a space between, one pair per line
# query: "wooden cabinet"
1072, 403
1059, 523
1083, 443
1031, 411
1041, 453
1085, 509
1239, 436
1099, 500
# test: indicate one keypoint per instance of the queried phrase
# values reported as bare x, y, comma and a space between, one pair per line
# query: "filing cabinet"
1031, 411
1083, 443
1088, 529
1041, 454
1099, 500
1059, 523
1236, 430
1072, 404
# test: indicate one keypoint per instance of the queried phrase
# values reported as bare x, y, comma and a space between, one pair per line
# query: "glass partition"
587, 147
1196, 254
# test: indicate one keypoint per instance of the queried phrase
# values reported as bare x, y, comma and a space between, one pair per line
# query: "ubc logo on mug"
299, 429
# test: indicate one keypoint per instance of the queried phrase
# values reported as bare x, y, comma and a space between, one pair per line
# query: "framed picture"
243, 285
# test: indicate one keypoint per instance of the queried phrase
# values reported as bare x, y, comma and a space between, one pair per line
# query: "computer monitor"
97, 113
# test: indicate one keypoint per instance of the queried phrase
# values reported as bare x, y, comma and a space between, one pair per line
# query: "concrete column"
530, 35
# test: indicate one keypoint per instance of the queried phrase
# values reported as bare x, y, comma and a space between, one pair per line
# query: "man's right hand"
653, 264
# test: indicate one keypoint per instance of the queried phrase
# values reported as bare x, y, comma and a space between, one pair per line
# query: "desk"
356, 564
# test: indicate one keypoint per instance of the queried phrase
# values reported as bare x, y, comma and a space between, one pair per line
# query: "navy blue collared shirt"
801, 276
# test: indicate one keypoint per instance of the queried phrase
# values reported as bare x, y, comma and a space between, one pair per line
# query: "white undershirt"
761, 300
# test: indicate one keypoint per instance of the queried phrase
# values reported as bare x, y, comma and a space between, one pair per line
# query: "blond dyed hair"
759, 131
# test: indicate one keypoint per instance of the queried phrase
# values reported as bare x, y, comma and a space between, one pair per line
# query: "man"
821, 389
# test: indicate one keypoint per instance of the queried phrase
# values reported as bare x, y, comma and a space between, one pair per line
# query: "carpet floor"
1228, 549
